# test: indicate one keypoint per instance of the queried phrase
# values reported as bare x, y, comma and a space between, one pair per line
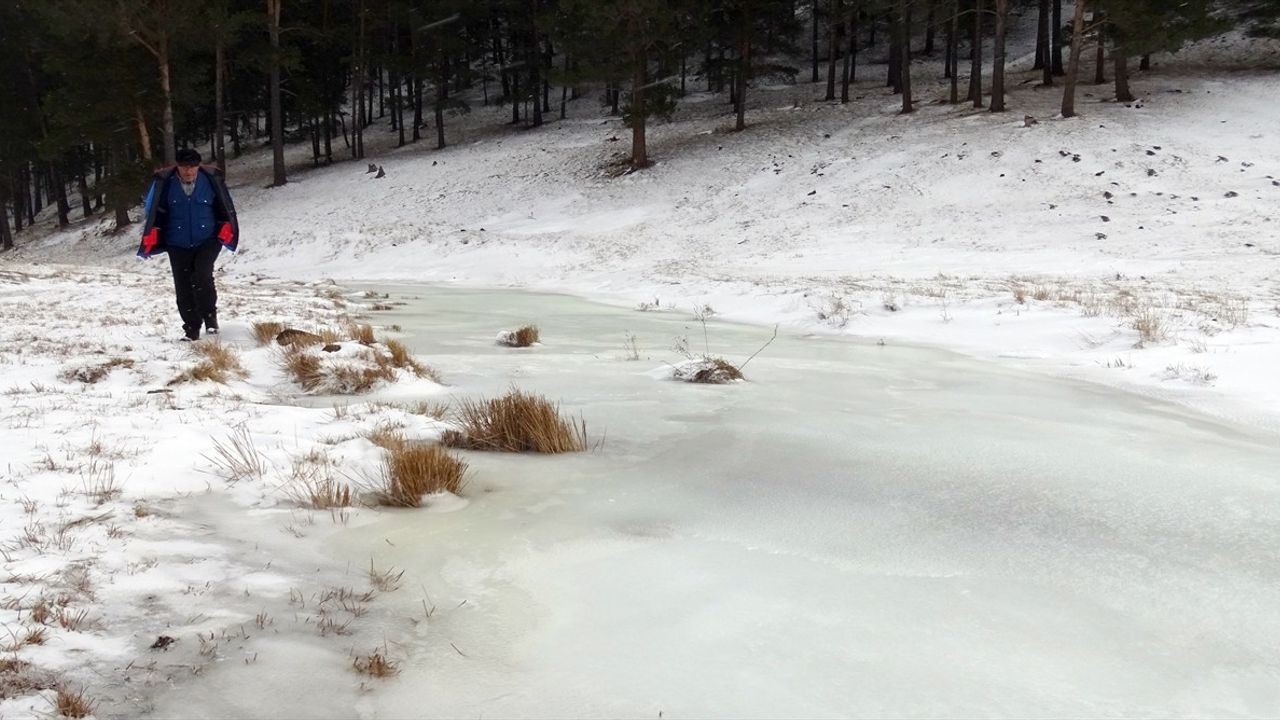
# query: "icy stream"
856, 530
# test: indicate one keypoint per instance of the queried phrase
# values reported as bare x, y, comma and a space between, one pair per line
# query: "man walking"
190, 216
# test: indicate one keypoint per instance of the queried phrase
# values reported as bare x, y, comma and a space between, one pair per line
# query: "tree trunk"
744, 67
564, 90
18, 204
1042, 36
315, 141
99, 172
417, 107
846, 75
358, 73
894, 69
929, 31
997, 68
1046, 63
277, 115
515, 97
117, 167
442, 94
86, 201
947, 49
1055, 40
815, 39
1118, 56
1100, 60
953, 50
219, 112
832, 38
904, 50
639, 146
6, 237
328, 137
144, 137
166, 87
1073, 70
22, 200
59, 188
975, 68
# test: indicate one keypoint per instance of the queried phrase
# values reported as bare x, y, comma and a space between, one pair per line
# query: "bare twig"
762, 347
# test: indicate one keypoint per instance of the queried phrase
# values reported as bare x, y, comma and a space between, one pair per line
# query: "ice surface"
856, 530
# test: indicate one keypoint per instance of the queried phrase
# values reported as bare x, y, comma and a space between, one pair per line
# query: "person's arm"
150, 223
229, 228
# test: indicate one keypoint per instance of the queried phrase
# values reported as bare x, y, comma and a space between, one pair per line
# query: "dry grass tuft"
385, 436
362, 334
400, 357
41, 613
312, 483
708, 370
73, 620
25, 636
98, 480
73, 703
350, 375
414, 469
19, 677
265, 332
523, 337
361, 374
90, 374
516, 422
1151, 326
303, 367
236, 458
384, 580
221, 364
428, 408
376, 664
1019, 294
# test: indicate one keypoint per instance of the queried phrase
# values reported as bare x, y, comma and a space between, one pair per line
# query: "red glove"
225, 234
150, 240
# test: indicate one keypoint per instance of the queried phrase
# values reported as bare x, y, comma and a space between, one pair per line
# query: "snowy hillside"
931, 498
1046, 244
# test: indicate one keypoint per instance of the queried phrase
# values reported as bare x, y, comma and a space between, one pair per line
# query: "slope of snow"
983, 234
948, 227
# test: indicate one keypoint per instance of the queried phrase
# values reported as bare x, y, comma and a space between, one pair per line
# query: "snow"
1011, 533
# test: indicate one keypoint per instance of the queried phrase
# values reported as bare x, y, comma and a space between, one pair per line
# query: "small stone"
163, 642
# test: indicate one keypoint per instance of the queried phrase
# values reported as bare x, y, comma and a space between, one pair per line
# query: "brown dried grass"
414, 469
709, 371
73, 703
516, 422
401, 358
522, 337
90, 374
303, 367
362, 334
265, 332
221, 364
312, 483
376, 664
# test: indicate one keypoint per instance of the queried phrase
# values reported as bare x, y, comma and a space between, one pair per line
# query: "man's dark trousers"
193, 285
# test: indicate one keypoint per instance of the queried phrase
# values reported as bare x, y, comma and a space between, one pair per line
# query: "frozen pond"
857, 530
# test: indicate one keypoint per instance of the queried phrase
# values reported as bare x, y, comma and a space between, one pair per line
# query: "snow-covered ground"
1134, 246
1049, 245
